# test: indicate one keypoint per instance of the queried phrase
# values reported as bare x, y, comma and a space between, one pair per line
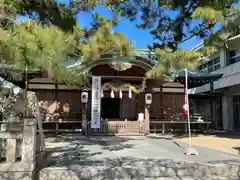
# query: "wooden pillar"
213, 123
161, 98
84, 101
25, 93
147, 119
56, 90
147, 112
84, 118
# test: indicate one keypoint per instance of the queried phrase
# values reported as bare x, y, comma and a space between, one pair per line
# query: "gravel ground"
229, 144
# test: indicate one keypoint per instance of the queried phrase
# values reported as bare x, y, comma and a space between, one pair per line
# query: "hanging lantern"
112, 94
120, 94
130, 93
102, 94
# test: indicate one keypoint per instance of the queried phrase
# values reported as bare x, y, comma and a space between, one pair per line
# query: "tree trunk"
25, 93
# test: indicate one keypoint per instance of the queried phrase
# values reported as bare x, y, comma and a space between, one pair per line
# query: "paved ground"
78, 157
228, 144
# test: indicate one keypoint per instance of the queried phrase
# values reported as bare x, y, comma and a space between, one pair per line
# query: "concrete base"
41, 159
191, 151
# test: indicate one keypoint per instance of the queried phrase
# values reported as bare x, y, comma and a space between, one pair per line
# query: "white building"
227, 63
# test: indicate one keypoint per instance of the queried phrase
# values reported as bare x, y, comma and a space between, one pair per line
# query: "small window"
237, 59
217, 60
237, 52
232, 54
210, 63
204, 65
232, 60
210, 69
216, 67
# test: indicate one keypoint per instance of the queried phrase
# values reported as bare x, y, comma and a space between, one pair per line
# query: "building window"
211, 65
234, 56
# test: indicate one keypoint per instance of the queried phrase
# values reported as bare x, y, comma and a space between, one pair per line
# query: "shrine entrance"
110, 108
121, 87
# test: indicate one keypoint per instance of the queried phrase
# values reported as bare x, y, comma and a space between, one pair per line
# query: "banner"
96, 102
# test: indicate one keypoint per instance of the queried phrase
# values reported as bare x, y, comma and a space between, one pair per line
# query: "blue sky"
141, 38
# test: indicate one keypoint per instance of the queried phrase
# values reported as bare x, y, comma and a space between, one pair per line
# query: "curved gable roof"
142, 59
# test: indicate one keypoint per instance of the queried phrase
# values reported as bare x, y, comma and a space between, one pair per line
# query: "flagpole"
190, 150
188, 113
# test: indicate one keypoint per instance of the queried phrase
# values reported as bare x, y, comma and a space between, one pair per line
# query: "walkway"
109, 158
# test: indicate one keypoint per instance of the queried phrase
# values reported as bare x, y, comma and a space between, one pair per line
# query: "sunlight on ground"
219, 143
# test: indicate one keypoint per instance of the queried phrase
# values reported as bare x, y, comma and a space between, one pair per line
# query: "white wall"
231, 75
229, 84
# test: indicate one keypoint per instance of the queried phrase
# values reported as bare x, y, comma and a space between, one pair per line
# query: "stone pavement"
77, 158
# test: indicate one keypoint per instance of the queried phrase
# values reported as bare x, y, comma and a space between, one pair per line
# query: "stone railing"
22, 149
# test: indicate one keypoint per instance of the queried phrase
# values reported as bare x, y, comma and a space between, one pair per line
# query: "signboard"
96, 102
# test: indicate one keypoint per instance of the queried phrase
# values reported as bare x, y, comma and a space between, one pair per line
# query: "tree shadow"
106, 142
75, 161
70, 147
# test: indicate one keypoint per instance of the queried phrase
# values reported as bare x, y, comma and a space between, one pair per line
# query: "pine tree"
172, 22
190, 19
228, 36
51, 38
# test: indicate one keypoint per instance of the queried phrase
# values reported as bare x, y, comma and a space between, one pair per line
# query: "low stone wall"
141, 169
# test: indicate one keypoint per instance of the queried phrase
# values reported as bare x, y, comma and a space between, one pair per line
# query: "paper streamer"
130, 93
120, 94
112, 94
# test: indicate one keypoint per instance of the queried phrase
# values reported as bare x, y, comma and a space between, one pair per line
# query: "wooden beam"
121, 77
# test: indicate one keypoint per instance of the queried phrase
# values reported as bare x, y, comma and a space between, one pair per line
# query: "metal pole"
187, 101
25, 93
211, 104
190, 150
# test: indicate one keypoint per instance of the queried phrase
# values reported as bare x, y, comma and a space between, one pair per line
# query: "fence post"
11, 150
147, 120
29, 140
